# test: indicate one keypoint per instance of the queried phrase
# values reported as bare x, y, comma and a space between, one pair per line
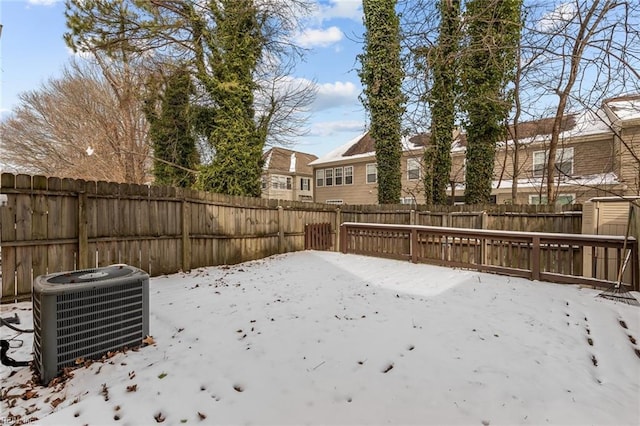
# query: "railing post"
338, 228
635, 267
343, 238
535, 258
413, 247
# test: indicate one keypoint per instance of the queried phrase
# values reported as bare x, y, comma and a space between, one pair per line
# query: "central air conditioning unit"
85, 314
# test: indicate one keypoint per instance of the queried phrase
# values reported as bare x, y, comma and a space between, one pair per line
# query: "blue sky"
32, 51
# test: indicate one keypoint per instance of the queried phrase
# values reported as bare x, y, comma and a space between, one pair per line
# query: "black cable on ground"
15, 328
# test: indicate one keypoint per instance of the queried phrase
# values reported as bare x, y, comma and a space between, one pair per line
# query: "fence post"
186, 231
412, 217
343, 238
280, 229
83, 235
338, 228
635, 267
535, 258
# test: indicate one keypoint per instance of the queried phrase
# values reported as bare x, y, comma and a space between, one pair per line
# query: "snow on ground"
323, 338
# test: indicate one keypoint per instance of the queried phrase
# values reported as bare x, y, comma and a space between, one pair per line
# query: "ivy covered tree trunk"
381, 76
170, 130
427, 179
443, 100
236, 48
489, 64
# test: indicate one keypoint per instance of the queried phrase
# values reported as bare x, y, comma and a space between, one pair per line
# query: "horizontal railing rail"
594, 260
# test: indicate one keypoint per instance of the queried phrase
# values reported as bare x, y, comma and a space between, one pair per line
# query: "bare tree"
85, 124
587, 51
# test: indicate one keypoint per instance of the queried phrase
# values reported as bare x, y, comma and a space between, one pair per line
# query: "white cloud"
558, 17
339, 9
331, 95
42, 2
329, 128
319, 37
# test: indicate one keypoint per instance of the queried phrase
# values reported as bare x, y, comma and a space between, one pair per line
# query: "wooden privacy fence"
528, 218
562, 258
51, 225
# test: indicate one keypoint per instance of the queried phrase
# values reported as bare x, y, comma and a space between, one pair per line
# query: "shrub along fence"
51, 225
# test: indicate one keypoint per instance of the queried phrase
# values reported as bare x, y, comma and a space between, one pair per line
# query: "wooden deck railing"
593, 260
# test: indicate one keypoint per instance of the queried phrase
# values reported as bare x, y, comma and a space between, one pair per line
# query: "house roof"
572, 125
364, 146
625, 107
281, 160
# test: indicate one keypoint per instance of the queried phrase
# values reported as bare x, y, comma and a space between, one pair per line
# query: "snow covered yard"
324, 338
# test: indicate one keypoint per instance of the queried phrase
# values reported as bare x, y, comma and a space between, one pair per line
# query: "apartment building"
286, 175
598, 155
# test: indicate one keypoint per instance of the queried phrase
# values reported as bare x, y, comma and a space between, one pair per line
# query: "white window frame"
328, 177
374, 174
563, 155
337, 176
413, 165
305, 184
408, 200
348, 175
336, 202
319, 177
281, 182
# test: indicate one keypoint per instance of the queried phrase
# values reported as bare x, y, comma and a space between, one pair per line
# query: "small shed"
609, 216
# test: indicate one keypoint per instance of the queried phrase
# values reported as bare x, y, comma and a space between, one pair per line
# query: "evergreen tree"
381, 76
170, 130
442, 99
493, 30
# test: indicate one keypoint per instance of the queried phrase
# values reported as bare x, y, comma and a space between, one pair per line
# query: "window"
263, 181
348, 175
562, 199
305, 184
334, 202
564, 162
338, 175
319, 177
408, 200
281, 182
413, 169
328, 177
372, 173
289, 183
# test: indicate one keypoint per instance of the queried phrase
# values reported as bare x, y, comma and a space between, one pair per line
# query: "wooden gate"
317, 236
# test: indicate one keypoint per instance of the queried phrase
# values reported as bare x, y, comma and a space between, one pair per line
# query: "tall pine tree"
493, 30
170, 130
381, 76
